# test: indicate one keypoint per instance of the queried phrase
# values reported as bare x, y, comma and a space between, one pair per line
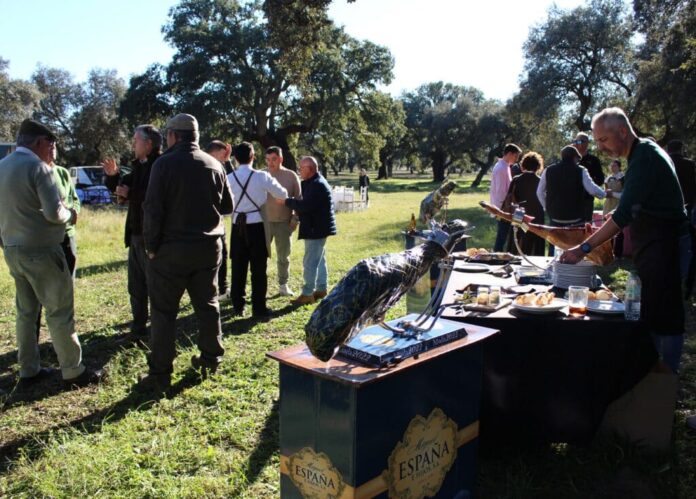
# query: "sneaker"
318, 295
203, 366
691, 422
88, 377
303, 300
285, 290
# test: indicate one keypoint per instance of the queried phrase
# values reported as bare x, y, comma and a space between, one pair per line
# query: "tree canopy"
242, 79
579, 59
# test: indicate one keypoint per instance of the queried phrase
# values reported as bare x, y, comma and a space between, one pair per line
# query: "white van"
89, 184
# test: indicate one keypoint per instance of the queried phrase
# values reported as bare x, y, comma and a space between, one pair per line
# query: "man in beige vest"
280, 220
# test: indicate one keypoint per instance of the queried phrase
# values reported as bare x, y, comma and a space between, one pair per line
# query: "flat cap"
184, 122
31, 127
569, 152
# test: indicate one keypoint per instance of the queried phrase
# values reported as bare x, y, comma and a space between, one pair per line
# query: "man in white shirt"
500, 182
248, 241
562, 189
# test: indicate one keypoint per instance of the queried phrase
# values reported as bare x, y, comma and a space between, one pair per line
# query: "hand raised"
110, 167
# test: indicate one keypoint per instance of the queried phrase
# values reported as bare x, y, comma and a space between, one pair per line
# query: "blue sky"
458, 41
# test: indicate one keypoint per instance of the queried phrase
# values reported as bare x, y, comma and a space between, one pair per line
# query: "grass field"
219, 437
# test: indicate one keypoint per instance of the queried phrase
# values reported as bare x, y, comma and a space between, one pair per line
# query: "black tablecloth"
551, 378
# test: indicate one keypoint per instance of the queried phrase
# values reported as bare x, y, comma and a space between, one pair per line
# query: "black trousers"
222, 273
137, 284
248, 249
178, 267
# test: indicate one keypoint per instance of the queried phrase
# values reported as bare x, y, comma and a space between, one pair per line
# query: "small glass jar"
482, 294
494, 296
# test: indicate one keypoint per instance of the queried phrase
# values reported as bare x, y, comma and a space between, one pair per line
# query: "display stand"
353, 431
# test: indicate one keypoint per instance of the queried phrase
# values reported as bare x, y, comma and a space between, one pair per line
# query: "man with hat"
563, 187
32, 228
186, 198
593, 167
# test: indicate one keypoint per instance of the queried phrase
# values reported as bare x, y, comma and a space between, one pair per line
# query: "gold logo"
314, 475
420, 461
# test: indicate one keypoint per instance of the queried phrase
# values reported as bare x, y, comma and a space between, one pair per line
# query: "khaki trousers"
281, 233
42, 277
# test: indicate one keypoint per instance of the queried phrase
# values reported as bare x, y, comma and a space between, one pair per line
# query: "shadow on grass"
266, 447
93, 422
607, 467
92, 270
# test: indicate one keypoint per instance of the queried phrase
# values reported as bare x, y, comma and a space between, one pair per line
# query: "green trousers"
42, 277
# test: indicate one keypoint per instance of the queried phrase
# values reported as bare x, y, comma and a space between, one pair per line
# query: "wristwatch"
585, 248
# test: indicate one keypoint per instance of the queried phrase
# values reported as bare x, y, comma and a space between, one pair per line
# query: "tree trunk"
279, 139
439, 166
479, 176
382, 172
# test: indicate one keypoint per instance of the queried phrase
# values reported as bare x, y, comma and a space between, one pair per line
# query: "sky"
465, 42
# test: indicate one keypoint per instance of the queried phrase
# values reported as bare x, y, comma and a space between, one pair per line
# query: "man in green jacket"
69, 198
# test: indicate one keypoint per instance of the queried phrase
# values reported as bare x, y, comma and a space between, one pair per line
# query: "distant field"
219, 437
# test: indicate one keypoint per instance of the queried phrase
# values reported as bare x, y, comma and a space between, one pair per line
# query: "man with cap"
563, 187
32, 227
593, 167
131, 188
187, 196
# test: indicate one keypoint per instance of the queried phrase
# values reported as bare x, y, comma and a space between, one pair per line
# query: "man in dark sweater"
223, 153
594, 168
652, 206
182, 225
131, 188
317, 222
686, 173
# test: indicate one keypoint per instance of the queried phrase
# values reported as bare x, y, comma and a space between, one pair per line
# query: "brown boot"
318, 295
303, 300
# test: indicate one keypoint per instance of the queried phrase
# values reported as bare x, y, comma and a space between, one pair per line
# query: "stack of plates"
580, 274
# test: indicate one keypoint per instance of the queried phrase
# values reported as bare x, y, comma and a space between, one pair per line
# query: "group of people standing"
176, 239
564, 191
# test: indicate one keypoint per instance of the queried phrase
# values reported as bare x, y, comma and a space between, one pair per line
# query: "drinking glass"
577, 300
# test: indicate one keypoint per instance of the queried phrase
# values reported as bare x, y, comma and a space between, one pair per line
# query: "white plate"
554, 306
605, 307
472, 267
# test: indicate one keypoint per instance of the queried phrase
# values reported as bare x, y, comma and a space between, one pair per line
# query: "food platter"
609, 307
555, 306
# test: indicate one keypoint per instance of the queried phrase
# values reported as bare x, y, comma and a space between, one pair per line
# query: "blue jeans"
501, 235
315, 271
669, 349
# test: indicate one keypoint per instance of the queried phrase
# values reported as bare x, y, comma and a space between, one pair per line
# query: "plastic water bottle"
632, 299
